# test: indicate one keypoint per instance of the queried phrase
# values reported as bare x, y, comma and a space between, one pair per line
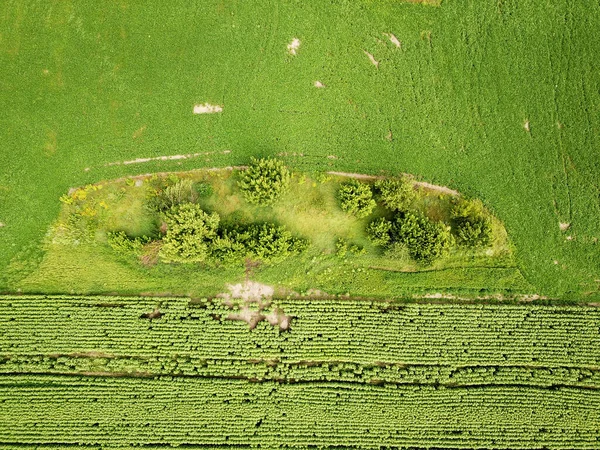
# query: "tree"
473, 228
378, 231
424, 239
356, 198
396, 194
264, 181
190, 231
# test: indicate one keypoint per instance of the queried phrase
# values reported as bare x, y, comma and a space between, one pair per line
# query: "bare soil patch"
393, 39
372, 59
253, 301
207, 108
293, 46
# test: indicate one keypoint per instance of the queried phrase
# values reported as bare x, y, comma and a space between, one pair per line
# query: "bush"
264, 181
267, 242
473, 228
396, 194
190, 231
378, 232
473, 231
124, 245
356, 198
182, 191
424, 239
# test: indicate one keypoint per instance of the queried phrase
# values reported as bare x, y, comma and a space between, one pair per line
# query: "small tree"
356, 198
264, 181
473, 228
396, 194
424, 239
190, 231
378, 232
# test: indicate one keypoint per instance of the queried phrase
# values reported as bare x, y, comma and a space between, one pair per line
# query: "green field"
85, 86
349, 373
498, 100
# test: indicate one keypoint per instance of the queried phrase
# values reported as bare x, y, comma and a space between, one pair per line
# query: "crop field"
498, 100
300, 224
362, 374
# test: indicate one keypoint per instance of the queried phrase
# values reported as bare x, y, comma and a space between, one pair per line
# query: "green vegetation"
497, 100
396, 194
264, 181
449, 368
323, 246
456, 113
356, 198
424, 239
190, 232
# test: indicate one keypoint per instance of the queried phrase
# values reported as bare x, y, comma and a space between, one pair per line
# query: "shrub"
181, 192
341, 248
378, 232
267, 242
190, 231
396, 194
473, 228
264, 181
124, 245
356, 198
424, 239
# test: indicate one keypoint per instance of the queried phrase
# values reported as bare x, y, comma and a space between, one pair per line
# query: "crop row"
198, 411
321, 330
304, 371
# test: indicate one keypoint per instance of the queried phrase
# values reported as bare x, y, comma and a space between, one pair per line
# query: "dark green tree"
424, 239
396, 194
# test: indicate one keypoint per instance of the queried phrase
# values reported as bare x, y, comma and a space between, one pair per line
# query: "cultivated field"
348, 373
493, 99
304, 331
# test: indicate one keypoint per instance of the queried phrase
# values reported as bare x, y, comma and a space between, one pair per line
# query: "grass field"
86, 86
347, 373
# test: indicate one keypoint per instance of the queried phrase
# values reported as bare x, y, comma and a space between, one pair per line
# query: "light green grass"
310, 210
80, 79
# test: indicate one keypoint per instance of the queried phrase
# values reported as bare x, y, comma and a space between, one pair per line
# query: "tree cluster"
424, 239
472, 227
193, 235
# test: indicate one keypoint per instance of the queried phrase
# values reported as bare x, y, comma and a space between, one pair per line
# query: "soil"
393, 39
207, 108
372, 59
293, 46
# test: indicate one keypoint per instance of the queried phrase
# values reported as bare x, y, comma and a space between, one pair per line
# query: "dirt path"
421, 184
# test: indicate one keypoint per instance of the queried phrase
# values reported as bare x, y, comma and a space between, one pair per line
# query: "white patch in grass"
564, 226
294, 46
318, 84
527, 126
372, 59
393, 39
163, 158
207, 108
